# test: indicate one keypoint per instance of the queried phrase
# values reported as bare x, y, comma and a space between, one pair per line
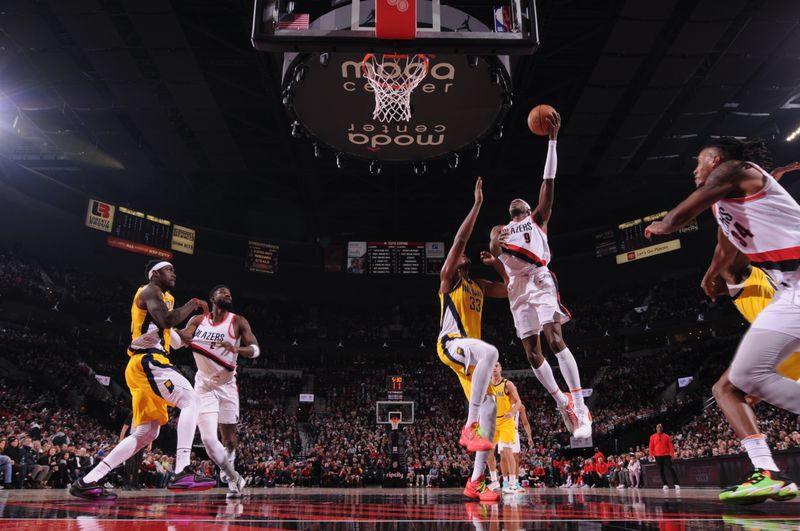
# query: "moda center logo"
442, 76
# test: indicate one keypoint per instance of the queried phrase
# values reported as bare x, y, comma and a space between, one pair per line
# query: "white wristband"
551, 163
256, 351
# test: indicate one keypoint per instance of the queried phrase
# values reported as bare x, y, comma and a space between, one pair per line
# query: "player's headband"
157, 267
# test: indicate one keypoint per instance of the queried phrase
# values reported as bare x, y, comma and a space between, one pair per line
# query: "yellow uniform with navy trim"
460, 317
506, 429
755, 294
149, 347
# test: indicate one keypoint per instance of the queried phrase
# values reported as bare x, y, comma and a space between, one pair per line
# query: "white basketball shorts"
222, 398
535, 302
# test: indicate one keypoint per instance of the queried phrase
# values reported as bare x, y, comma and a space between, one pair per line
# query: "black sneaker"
189, 479
91, 491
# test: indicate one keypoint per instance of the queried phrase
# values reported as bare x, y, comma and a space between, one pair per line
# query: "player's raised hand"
479, 191
554, 121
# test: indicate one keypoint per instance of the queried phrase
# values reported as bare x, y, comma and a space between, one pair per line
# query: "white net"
393, 78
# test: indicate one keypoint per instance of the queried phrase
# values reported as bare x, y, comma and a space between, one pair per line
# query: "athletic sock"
493, 475
187, 425
512, 480
759, 453
480, 465
545, 376
505, 479
569, 370
481, 375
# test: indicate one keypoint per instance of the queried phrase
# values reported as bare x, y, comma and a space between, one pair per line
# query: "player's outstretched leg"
753, 372
186, 477
571, 374
207, 422
476, 487
89, 486
484, 356
544, 373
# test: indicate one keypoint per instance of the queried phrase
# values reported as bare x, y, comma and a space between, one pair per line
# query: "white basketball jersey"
213, 360
765, 227
526, 248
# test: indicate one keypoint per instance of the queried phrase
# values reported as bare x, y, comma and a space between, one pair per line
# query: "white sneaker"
509, 489
236, 488
568, 414
677, 488
620, 486
494, 485
584, 427
665, 488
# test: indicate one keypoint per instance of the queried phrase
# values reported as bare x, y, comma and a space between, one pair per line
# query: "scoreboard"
138, 232
395, 257
143, 228
262, 257
628, 242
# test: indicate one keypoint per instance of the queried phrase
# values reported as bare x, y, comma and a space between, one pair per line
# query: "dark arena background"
236, 140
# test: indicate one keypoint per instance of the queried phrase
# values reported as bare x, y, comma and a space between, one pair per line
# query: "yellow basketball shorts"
154, 384
455, 353
506, 431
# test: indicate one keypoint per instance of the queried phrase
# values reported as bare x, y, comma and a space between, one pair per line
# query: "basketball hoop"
393, 78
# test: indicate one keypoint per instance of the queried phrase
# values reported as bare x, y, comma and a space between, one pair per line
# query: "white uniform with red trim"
215, 380
533, 288
766, 228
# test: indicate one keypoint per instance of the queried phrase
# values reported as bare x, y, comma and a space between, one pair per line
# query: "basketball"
536, 119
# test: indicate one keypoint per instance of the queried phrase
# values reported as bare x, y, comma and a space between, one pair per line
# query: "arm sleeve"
551, 163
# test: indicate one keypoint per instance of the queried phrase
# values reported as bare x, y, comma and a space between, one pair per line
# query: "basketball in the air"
537, 122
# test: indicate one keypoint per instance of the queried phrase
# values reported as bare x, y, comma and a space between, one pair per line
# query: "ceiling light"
794, 135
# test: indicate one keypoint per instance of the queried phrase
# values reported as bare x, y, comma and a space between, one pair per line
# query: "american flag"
299, 21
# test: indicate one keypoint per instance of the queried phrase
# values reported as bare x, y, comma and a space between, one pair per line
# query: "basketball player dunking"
217, 340
460, 347
523, 249
760, 219
154, 384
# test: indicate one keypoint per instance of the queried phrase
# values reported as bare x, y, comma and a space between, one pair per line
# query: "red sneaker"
473, 439
477, 490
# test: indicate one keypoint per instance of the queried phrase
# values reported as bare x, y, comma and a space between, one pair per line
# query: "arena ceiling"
166, 106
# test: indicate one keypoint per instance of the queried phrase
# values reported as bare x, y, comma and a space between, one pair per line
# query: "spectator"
663, 452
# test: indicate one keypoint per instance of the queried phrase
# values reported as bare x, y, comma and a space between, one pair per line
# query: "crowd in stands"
57, 420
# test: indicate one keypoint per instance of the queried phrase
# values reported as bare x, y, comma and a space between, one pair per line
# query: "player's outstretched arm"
161, 315
187, 333
779, 172
460, 242
544, 209
722, 182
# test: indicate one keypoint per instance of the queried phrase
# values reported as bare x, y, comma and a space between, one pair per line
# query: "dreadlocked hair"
744, 150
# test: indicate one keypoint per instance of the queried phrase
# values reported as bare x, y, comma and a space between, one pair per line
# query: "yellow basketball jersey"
461, 310
142, 323
756, 293
501, 397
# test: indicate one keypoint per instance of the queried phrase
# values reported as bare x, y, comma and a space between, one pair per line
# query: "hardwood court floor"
396, 509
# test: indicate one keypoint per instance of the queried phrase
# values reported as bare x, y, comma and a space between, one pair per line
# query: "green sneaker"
758, 486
